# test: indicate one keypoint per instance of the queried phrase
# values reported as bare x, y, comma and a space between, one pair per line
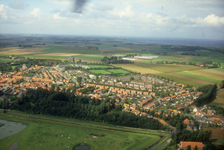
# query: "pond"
82, 147
10, 128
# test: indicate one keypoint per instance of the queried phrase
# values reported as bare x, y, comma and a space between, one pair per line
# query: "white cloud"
36, 12
3, 13
214, 20
126, 13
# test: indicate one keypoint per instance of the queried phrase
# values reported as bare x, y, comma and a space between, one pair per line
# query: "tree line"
66, 104
208, 92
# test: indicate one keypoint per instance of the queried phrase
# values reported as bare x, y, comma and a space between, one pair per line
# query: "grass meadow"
168, 67
199, 77
45, 133
99, 71
219, 97
180, 80
118, 71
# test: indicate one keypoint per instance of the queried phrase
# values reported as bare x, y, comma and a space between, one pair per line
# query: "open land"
62, 134
136, 68
189, 78
201, 77
99, 72
217, 135
117, 71
210, 73
219, 98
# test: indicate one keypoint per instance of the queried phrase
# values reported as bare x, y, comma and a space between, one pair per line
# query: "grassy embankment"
55, 133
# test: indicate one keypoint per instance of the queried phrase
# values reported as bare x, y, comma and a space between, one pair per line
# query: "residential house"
184, 144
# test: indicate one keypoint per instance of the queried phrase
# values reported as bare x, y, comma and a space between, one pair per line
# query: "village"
144, 95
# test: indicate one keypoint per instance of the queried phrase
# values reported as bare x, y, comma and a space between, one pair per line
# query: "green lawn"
99, 72
118, 71
199, 77
43, 133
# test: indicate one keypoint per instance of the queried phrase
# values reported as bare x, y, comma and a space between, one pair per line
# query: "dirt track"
189, 78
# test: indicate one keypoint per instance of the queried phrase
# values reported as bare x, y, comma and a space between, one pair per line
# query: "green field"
186, 82
199, 77
46, 133
118, 71
46, 57
97, 57
5, 60
99, 71
168, 67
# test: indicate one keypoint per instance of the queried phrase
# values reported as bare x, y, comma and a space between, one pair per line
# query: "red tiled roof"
184, 144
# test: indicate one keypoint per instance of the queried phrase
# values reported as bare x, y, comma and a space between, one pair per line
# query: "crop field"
135, 68
210, 73
97, 66
46, 57
99, 72
97, 57
46, 133
20, 51
59, 54
199, 81
117, 71
168, 67
198, 77
217, 135
219, 98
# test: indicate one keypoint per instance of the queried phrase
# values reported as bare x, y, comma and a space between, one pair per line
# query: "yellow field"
135, 68
59, 54
20, 51
211, 73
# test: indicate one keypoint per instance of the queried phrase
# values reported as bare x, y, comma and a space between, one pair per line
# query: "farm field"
135, 68
62, 134
168, 67
217, 135
199, 81
98, 66
97, 57
219, 98
201, 77
210, 73
117, 71
99, 71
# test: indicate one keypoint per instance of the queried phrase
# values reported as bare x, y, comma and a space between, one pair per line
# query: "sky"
200, 19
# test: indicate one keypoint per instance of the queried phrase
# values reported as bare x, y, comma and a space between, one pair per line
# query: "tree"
79, 80
132, 78
222, 84
196, 148
188, 147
